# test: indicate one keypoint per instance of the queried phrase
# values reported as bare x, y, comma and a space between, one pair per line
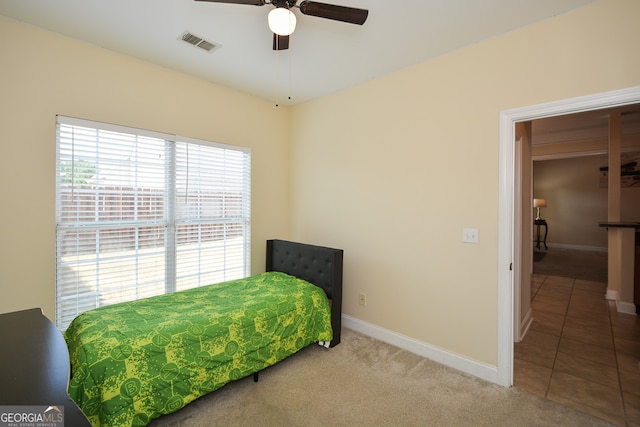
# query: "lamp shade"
282, 21
539, 203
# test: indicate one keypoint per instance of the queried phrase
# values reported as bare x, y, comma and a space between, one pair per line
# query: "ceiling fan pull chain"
289, 63
277, 75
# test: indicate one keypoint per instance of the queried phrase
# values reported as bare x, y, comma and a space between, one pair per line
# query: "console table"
538, 223
34, 365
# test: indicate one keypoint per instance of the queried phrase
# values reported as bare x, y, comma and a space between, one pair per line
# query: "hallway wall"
576, 201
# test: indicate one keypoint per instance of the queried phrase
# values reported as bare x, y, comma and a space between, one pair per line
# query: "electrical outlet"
363, 299
470, 235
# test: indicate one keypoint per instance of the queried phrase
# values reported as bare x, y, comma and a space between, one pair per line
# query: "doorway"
576, 350
510, 234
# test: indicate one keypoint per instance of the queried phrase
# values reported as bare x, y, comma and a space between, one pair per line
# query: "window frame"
224, 198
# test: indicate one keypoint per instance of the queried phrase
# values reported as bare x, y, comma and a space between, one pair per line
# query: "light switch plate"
470, 235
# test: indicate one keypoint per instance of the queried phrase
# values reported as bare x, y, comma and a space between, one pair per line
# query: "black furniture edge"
319, 265
34, 365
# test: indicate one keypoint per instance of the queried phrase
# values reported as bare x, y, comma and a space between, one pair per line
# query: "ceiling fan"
282, 21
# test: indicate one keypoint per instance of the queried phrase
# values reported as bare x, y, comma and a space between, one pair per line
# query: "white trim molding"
455, 361
578, 247
626, 307
526, 324
621, 307
507, 175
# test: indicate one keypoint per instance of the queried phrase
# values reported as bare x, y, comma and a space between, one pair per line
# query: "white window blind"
141, 213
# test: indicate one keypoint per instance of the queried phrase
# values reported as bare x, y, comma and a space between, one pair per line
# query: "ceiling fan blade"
351, 15
249, 2
280, 42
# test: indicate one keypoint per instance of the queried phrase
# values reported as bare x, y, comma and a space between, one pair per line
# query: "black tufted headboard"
319, 265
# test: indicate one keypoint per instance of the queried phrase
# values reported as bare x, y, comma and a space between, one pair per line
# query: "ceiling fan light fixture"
282, 21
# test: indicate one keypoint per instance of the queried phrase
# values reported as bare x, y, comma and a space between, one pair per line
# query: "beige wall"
43, 74
391, 170
394, 169
577, 202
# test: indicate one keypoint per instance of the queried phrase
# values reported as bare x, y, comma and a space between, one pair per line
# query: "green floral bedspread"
135, 361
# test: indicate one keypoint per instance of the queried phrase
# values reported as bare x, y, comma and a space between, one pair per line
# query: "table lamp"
539, 203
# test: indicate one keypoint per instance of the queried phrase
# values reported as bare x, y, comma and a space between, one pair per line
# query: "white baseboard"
526, 323
621, 307
455, 361
626, 307
578, 247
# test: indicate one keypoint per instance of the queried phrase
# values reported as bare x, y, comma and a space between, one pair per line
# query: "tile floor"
580, 352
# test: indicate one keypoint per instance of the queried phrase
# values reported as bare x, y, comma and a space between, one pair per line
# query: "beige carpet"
364, 382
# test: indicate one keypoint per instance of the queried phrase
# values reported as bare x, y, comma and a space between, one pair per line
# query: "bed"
135, 361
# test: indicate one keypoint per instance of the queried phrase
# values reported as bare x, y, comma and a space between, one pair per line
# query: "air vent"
197, 41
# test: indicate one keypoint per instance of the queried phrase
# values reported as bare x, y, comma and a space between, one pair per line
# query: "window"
140, 213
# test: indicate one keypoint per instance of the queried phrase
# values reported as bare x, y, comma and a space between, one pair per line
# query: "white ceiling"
325, 56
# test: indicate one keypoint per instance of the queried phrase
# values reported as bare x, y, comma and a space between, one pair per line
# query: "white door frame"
508, 265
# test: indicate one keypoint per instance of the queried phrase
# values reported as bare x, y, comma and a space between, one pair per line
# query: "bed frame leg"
255, 377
